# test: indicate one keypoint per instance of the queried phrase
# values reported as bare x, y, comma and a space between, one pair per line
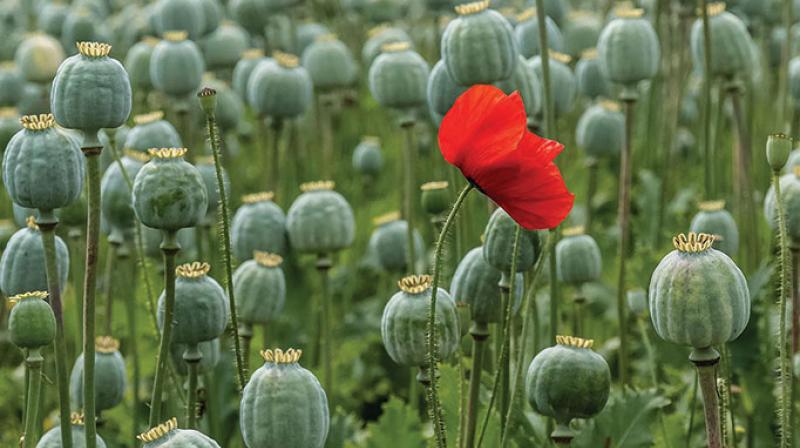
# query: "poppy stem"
433, 394
33, 364
479, 332
409, 202
707, 162
707, 373
784, 376
130, 302
544, 50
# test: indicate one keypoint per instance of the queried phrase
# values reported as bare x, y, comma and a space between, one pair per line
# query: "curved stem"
433, 393
706, 371
323, 266
504, 365
784, 377
224, 234
33, 363
47, 224
408, 197
479, 333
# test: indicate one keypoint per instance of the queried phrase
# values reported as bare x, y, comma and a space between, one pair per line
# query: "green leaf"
398, 427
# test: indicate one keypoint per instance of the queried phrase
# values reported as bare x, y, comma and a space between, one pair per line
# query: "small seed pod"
379, 11
228, 109
442, 91
601, 130
389, 240
81, 25
380, 36
581, 32
115, 197
209, 350
562, 80
180, 15
367, 158
223, 47
637, 302
248, 61
51, 18
22, 262
527, 34
478, 35
475, 283
9, 125
790, 194
398, 78
568, 381
205, 165
43, 168
714, 220
258, 225
592, 80
528, 84
167, 435
698, 296
578, 258
499, 243
307, 33
137, 63
435, 197
31, 323
91, 91
282, 89
556, 10
176, 65
35, 100
201, 305
404, 325
283, 405
151, 130
251, 14
731, 44
260, 288
629, 48
779, 146
330, 63
52, 438
109, 372
320, 220
11, 84
38, 58
168, 192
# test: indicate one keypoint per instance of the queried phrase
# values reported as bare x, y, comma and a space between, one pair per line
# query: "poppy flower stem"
707, 148
33, 364
408, 205
784, 410
433, 394
707, 373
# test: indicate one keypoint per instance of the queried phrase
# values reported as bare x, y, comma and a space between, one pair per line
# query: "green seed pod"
52, 438
794, 160
390, 242
31, 323
320, 220
714, 220
629, 48
778, 148
527, 34
435, 197
698, 296
137, 63
229, 108
367, 158
110, 376
581, 33
91, 91
478, 35
213, 14
476, 283
557, 10
251, 14
637, 302
527, 82
151, 130
167, 435
307, 33
282, 89
562, 81
578, 258
168, 192
176, 65
258, 225
568, 381
330, 63
42, 167
187, 239
730, 43
180, 15
223, 47
250, 58
601, 130
380, 36
405, 321
11, 84
35, 100
592, 80
22, 262
210, 351
398, 79
51, 19
442, 91
260, 288
377, 11
283, 405
790, 193
201, 305
38, 58
9, 125
115, 197
499, 243
208, 171
80, 25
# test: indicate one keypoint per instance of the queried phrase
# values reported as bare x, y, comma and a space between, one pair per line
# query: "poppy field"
399, 224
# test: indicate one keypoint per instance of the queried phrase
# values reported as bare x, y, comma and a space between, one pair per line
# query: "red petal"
540, 150
483, 126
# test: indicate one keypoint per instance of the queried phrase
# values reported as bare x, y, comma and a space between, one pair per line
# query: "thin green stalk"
323, 266
169, 247
728, 401
77, 284
549, 112
553, 281
504, 364
784, 377
648, 348
132, 344
192, 356
326, 129
479, 332
747, 216
275, 153
707, 374
408, 197
33, 364
47, 224
433, 394
591, 188
795, 252
108, 292
783, 75
708, 162
224, 233
246, 333
692, 406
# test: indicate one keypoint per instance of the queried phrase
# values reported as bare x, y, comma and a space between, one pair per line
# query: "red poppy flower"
485, 135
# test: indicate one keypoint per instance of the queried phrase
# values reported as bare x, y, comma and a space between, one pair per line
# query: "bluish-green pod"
320, 220
442, 91
476, 283
208, 171
563, 85
330, 63
213, 14
81, 25
180, 15
794, 160
526, 81
629, 48
258, 225
176, 65
35, 100
479, 46
38, 58
578, 258
283, 405
281, 89
390, 242
790, 193
731, 44
151, 130
527, 34
398, 78
591, 78
137, 63
260, 289
367, 158
380, 36
714, 220
499, 242
378, 11
167, 435
229, 109
51, 18
251, 14
601, 130
31, 322
11, 84
307, 33
52, 438
109, 376
210, 351
9, 125
581, 32
223, 47
249, 60
116, 205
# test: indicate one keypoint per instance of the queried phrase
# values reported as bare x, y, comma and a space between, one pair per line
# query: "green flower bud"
778, 148
435, 197
208, 100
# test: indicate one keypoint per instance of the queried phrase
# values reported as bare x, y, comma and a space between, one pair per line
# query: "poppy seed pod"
581, 32
205, 165
151, 130
222, 48
9, 125
116, 205
380, 36
601, 130
714, 220
80, 25
31, 323
499, 242
258, 225
320, 220
794, 81
248, 61
224, 103
180, 15
527, 34
282, 89
52, 438
479, 34
790, 194
330, 63
562, 80
260, 288
137, 63
398, 78
38, 58
11, 84
578, 258
22, 263
389, 240
367, 158
527, 82
475, 282
442, 91
778, 148
591, 78
307, 33
110, 375
176, 65
435, 197
629, 48
167, 434
731, 44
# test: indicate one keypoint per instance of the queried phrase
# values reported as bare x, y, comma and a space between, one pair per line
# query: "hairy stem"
479, 333
408, 196
33, 364
192, 356
785, 377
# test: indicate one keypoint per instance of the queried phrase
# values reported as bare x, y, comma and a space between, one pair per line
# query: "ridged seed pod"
527, 34
714, 220
581, 32
282, 89
398, 78
151, 130
435, 197
110, 376
562, 81
367, 158
180, 15
116, 205
442, 91
167, 435
475, 283
258, 225
499, 242
731, 44
205, 166
591, 78
11, 84
223, 47
248, 61
31, 322
601, 130
38, 58
330, 63
307, 33
52, 438
389, 240
320, 220
22, 263
629, 48
137, 63
260, 289
176, 65
251, 14
578, 258
380, 36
